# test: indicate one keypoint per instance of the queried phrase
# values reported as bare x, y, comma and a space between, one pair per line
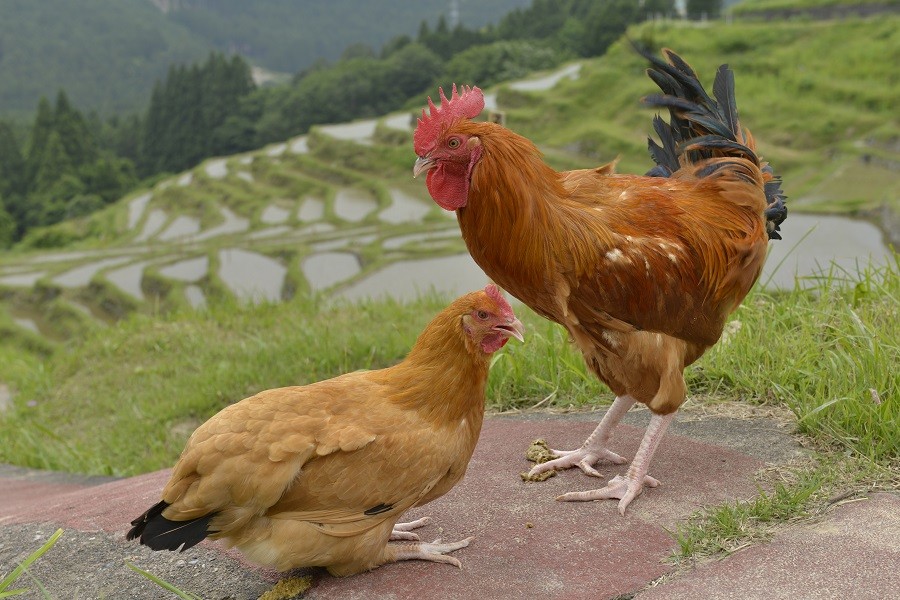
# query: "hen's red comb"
494, 293
465, 105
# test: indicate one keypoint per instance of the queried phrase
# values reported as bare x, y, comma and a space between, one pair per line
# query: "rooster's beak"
423, 163
512, 328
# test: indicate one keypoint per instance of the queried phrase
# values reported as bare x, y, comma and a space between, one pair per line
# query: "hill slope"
820, 97
107, 54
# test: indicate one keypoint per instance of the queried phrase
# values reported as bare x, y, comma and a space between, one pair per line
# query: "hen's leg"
403, 531
434, 552
594, 448
629, 487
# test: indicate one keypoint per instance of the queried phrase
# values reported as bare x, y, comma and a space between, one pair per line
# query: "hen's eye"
453, 142
482, 315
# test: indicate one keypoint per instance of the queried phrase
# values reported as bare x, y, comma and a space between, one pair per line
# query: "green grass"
162, 583
820, 353
787, 494
747, 8
154, 378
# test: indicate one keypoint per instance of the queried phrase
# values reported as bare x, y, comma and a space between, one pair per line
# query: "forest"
67, 163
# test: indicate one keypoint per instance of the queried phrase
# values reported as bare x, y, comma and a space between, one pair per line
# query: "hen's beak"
512, 328
423, 163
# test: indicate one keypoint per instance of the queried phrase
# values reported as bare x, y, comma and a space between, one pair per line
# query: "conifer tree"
40, 133
8, 227
54, 163
12, 164
73, 131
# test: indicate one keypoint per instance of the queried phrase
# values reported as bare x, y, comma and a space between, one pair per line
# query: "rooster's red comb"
465, 105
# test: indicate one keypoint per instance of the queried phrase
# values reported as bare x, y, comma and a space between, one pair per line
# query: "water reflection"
812, 244
328, 268
353, 205
405, 280
251, 276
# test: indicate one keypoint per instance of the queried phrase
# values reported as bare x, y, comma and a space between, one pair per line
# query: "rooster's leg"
594, 448
435, 551
403, 531
629, 487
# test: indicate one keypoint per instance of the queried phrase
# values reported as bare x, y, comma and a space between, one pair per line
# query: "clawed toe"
621, 488
434, 551
412, 524
581, 458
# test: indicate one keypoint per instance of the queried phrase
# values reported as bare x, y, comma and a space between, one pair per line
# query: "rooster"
642, 271
319, 475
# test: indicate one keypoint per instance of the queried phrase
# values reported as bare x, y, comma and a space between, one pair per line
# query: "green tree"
12, 164
108, 178
8, 227
76, 137
605, 23
652, 8
186, 110
52, 205
485, 65
411, 71
700, 9
541, 20
54, 163
357, 50
395, 44
40, 134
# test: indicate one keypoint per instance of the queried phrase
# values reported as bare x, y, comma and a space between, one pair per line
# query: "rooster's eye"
482, 315
453, 142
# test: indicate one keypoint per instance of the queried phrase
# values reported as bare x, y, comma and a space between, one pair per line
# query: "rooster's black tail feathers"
702, 128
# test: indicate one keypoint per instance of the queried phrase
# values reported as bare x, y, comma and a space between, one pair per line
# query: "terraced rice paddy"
292, 218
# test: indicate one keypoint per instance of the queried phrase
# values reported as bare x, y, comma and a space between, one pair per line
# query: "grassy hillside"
106, 54
820, 97
154, 378
823, 8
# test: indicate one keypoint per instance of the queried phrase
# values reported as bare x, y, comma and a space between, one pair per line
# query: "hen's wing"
334, 453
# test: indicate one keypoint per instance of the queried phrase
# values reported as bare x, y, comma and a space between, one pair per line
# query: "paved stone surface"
526, 544
854, 552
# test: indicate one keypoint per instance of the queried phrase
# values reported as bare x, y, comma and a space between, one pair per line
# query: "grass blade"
163, 583
9, 579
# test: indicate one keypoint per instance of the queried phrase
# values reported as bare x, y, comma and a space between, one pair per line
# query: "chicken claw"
403, 531
594, 448
434, 552
582, 458
625, 489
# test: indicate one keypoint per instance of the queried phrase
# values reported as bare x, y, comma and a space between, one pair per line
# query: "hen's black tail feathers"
159, 533
701, 128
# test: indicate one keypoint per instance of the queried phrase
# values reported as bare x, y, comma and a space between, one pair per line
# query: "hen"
642, 271
318, 475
